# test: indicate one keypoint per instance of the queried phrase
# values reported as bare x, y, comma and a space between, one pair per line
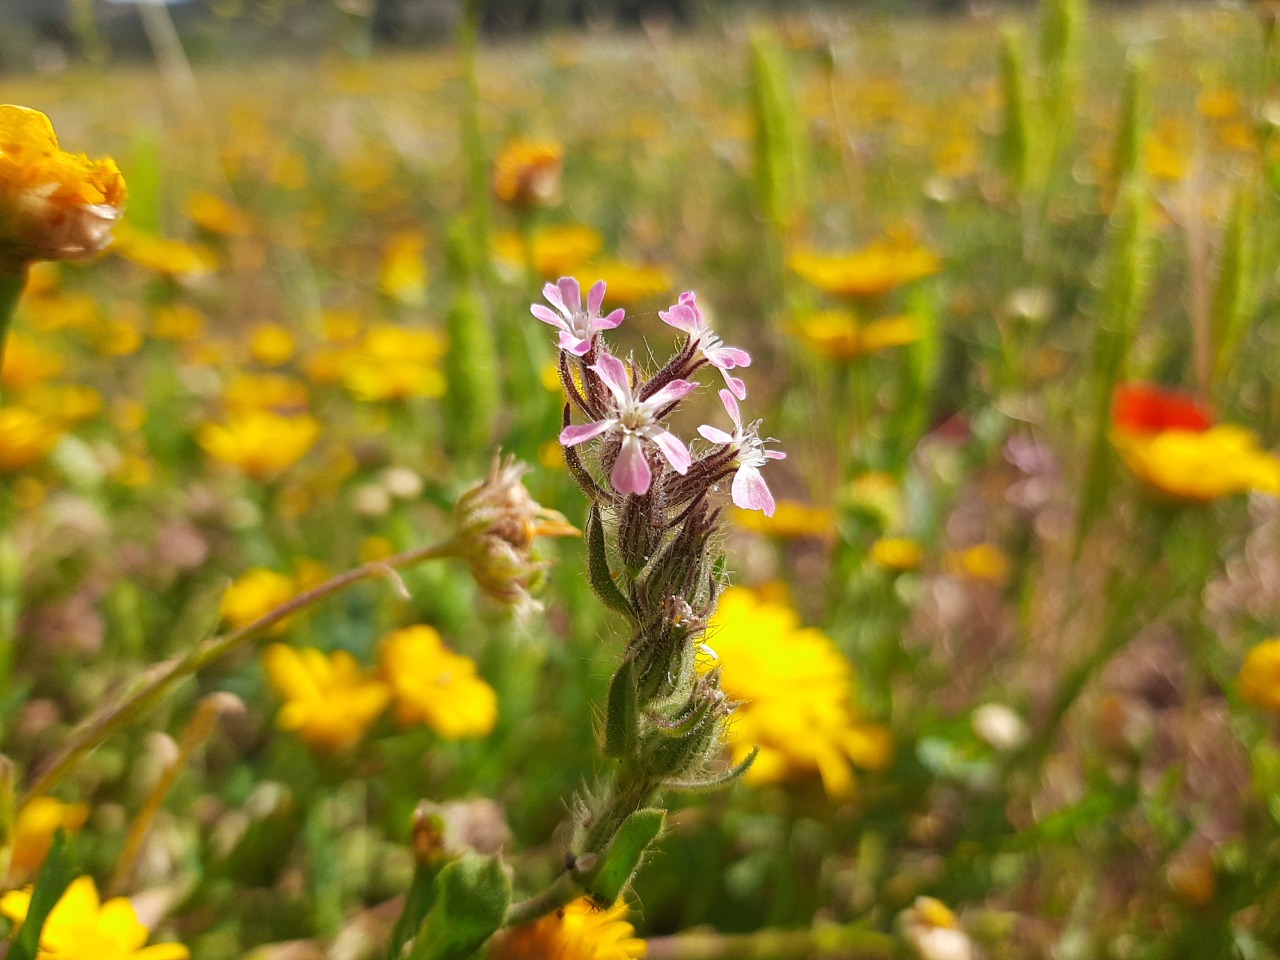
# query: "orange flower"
526, 173
1142, 408
53, 205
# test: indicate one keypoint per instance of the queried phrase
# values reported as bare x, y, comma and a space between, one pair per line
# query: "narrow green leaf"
417, 904
622, 718
55, 876
470, 362
1016, 133
1127, 154
780, 154
472, 895
598, 571
625, 854
1233, 293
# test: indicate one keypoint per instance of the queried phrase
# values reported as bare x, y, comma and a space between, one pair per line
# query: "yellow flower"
33, 831
557, 251
265, 391
527, 172
178, 322
628, 282
794, 691
435, 686
64, 403
212, 213
80, 927
256, 593
329, 701
53, 205
404, 272
899, 554
395, 363
870, 272
259, 442
271, 344
118, 337
985, 561
1259, 680
172, 258
840, 335
791, 520
61, 311
579, 931
26, 437
27, 363
1199, 465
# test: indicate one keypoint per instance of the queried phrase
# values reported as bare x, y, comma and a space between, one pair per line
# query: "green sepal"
598, 571
472, 895
622, 717
625, 854
55, 876
417, 904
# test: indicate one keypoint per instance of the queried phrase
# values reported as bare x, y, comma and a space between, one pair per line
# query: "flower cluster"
1171, 444
626, 413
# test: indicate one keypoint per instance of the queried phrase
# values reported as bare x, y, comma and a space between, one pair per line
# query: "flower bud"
53, 205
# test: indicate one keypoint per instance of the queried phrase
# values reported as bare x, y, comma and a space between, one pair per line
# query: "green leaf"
1016, 132
1233, 294
598, 566
622, 718
417, 904
472, 895
625, 854
1128, 147
55, 876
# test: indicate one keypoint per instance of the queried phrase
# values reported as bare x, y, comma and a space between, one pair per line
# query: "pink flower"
750, 492
636, 421
685, 315
578, 327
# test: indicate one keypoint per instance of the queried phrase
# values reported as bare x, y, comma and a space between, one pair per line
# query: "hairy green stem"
565, 889
163, 677
828, 941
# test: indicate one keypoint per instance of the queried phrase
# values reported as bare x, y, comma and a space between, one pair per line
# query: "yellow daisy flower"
329, 700
260, 443
870, 272
579, 931
435, 686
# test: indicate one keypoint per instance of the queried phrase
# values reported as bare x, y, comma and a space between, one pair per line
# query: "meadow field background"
1008, 282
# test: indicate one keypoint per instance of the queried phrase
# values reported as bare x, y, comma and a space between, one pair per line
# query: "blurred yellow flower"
27, 363
985, 561
271, 344
1200, 465
557, 251
172, 258
899, 554
26, 438
791, 520
118, 337
403, 277
395, 363
33, 831
66, 404
260, 443
1259, 680
53, 205
81, 927
212, 213
433, 685
265, 391
628, 283
61, 311
870, 272
794, 692
178, 322
842, 336
579, 931
256, 593
329, 700
527, 172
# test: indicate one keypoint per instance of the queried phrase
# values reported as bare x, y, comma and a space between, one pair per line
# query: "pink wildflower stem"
162, 677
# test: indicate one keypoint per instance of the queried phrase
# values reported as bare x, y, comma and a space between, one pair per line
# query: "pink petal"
774, 455
731, 407
631, 473
571, 294
750, 492
614, 374
614, 318
672, 450
737, 387
552, 294
726, 358
547, 316
595, 299
573, 435
573, 343
680, 317
714, 434
674, 390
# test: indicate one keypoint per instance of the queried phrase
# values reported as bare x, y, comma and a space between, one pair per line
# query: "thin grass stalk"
163, 677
